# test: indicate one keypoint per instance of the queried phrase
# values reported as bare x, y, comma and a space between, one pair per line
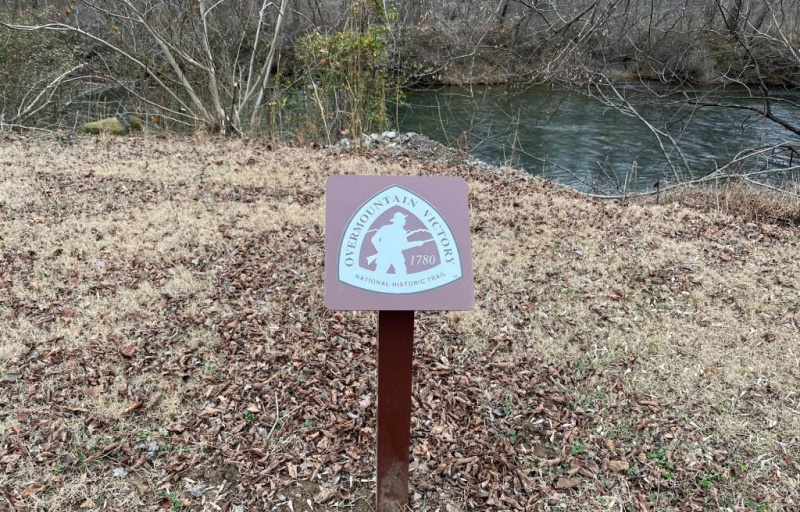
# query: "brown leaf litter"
164, 343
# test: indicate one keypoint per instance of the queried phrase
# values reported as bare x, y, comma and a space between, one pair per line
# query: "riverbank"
165, 343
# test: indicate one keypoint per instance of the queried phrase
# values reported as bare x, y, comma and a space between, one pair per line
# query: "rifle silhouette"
407, 234
409, 245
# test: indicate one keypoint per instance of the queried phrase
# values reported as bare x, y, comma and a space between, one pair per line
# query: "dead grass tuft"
745, 201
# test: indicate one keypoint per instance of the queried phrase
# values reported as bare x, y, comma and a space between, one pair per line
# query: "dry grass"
161, 314
746, 201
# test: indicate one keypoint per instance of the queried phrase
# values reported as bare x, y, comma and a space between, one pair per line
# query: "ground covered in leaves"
164, 346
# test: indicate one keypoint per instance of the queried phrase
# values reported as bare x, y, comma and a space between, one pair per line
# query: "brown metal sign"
397, 243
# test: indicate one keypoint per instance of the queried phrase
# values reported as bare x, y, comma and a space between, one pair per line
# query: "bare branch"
211, 69
61, 27
167, 53
265, 70
31, 109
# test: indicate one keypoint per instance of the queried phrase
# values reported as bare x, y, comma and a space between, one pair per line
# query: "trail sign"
397, 243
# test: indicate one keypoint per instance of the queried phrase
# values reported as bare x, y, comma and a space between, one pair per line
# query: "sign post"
395, 348
396, 245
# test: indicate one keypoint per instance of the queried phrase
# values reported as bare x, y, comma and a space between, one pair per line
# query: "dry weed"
745, 201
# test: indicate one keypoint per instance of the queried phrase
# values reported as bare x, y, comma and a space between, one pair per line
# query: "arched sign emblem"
398, 243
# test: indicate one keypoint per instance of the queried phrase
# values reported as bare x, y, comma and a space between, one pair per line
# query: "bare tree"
175, 57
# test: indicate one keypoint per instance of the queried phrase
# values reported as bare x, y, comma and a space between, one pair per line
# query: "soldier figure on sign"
390, 241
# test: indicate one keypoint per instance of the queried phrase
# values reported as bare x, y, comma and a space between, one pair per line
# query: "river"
578, 140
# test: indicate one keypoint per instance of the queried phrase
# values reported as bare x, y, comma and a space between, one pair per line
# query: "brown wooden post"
395, 348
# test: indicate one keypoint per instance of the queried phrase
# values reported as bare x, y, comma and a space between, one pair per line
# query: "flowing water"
578, 140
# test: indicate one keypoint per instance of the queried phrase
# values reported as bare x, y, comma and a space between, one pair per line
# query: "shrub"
29, 61
347, 76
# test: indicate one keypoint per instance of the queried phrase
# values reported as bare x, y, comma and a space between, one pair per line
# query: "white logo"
398, 243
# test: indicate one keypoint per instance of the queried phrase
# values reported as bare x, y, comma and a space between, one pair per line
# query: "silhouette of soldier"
390, 241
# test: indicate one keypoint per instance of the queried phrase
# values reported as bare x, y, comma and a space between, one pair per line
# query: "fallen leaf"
253, 408
128, 351
550, 462
325, 495
94, 391
18, 505
11, 376
137, 404
176, 427
10, 459
527, 483
566, 483
642, 503
198, 490
574, 468
87, 504
31, 489
618, 466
